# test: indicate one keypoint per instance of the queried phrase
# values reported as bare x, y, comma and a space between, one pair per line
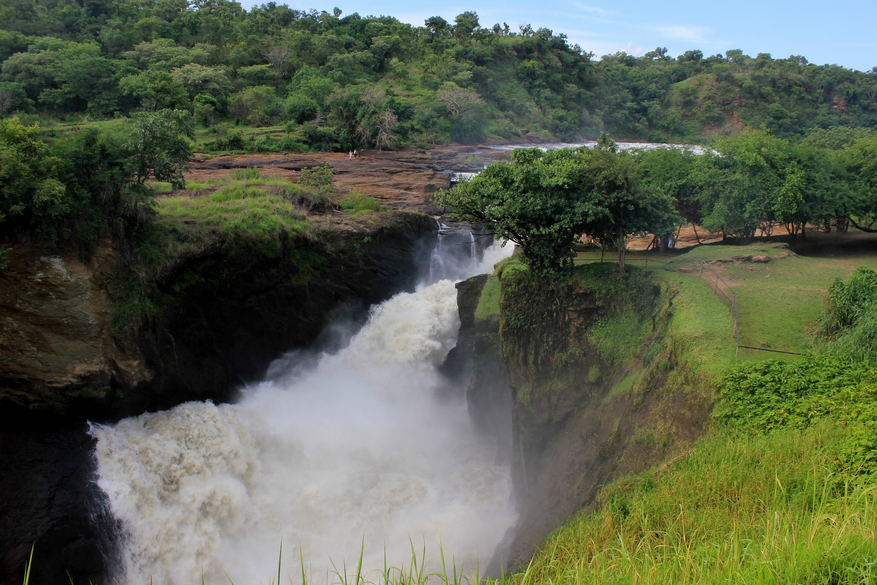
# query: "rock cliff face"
475, 361
234, 315
224, 318
57, 351
579, 415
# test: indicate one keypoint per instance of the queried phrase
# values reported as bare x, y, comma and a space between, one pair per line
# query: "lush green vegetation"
358, 203
737, 509
781, 490
76, 189
254, 209
621, 311
245, 213
324, 80
99, 102
546, 201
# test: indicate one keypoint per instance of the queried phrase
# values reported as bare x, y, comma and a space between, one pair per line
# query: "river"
359, 453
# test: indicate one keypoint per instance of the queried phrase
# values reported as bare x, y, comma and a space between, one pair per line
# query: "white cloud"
591, 9
635, 51
695, 34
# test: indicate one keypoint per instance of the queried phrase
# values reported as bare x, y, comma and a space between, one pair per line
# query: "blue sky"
844, 33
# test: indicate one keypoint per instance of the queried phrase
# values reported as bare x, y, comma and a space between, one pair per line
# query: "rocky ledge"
223, 318
400, 179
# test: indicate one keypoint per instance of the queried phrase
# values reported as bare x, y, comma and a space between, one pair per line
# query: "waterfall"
348, 455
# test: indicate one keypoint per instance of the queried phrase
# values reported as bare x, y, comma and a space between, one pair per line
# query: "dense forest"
339, 81
99, 98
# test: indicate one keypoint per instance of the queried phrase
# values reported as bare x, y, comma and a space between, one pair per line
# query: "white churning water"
355, 450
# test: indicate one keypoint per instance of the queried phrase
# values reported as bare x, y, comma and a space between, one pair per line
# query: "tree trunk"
622, 251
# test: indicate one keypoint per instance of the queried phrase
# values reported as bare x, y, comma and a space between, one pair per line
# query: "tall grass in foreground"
414, 573
738, 509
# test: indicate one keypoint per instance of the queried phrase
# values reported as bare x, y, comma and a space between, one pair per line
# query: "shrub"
769, 396
848, 302
300, 108
848, 327
247, 174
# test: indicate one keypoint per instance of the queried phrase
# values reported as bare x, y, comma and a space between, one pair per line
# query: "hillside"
329, 81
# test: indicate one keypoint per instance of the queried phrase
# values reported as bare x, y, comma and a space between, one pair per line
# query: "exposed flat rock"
404, 179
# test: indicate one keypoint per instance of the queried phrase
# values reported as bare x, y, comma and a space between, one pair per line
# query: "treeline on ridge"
546, 202
338, 82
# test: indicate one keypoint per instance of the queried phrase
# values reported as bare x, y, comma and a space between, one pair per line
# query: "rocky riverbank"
403, 179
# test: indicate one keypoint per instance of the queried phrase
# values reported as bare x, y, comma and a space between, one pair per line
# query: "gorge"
223, 475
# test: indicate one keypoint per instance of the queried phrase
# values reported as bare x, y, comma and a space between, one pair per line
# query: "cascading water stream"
355, 455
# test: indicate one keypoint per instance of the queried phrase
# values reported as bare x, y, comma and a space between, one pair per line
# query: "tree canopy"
80, 187
462, 80
546, 201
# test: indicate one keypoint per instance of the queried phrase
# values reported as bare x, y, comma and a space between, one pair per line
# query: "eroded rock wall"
223, 317
579, 417
58, 353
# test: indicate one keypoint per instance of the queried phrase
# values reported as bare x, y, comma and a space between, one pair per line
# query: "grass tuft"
247, 174
358, 204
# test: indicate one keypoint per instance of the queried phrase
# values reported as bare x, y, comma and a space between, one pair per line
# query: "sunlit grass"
357, 204
737, 509
233, 210
778, 301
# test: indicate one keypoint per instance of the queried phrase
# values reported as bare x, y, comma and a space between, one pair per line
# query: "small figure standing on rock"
350, 154
355, 153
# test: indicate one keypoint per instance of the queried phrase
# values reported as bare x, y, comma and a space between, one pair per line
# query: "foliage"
246, 213
736, 508
488, 302
848, 302
85, 185
836, 137
746, 181
531, 331
848, 326
319, 177
773, 395
358, 203
860, 160
444, 80
160, 147
534, 326
546, 201
671, 171
33, 196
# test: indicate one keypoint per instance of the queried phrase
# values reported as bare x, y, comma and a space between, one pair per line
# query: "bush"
247, 104
300, 108
247, 174
848, 327
848, 302
768, 396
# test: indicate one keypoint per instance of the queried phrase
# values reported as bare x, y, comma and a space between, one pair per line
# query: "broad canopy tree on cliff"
159, 146
546, 201
749, 182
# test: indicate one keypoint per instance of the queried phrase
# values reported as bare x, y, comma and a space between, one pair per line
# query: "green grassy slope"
781, 490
